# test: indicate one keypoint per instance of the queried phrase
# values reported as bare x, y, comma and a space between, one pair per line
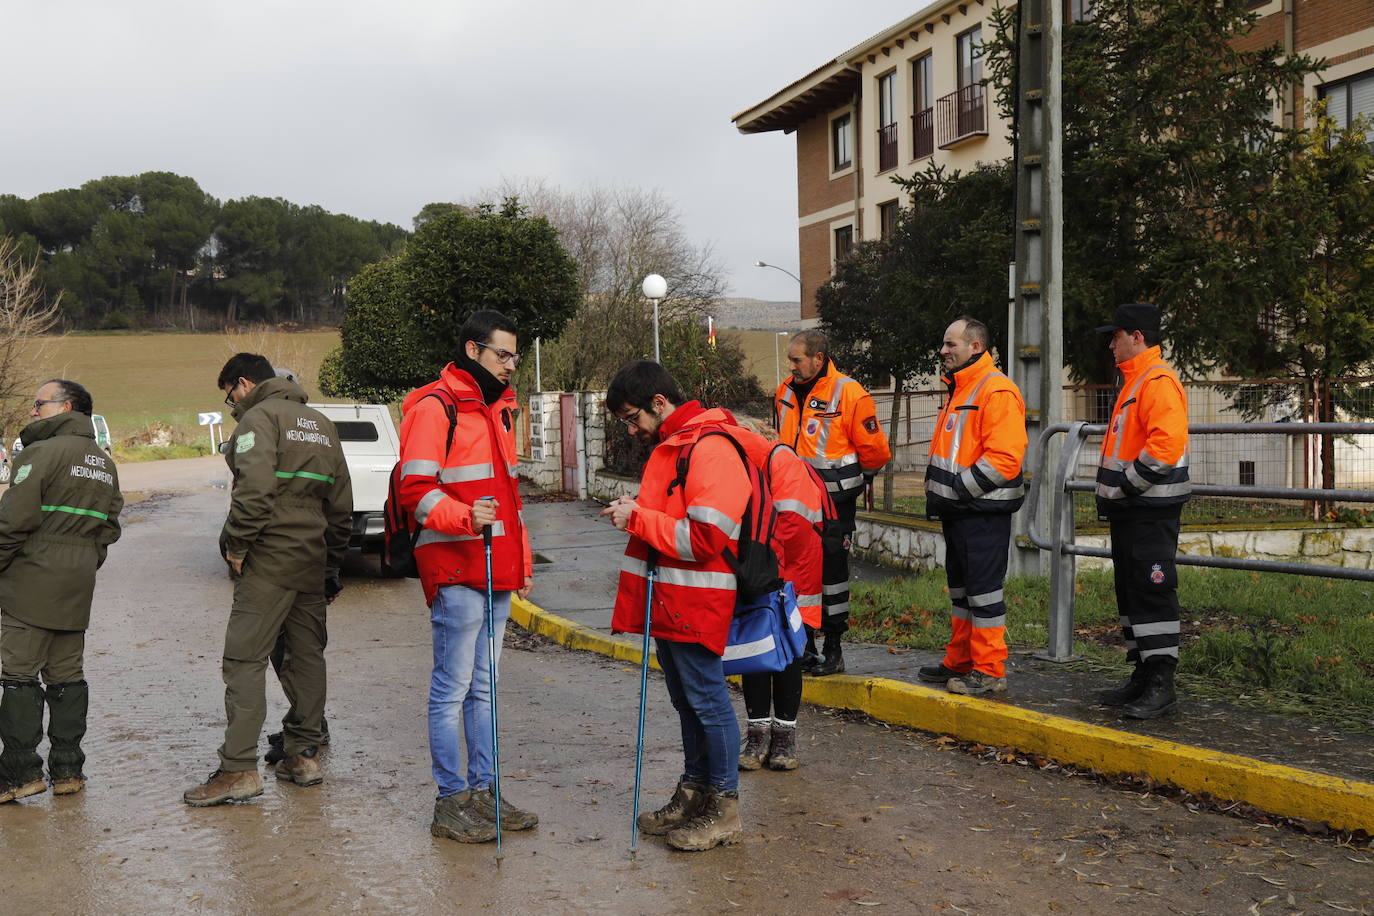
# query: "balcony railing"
961, 115
923, 133
887, 147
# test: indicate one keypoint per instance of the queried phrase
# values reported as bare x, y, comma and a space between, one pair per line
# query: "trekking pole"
643, 692
491, 673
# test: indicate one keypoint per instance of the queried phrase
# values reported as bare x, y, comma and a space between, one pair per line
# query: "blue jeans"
710, 732
460, 687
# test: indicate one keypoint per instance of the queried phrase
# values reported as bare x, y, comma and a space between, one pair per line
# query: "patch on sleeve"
244, 442
22, 474
871, 425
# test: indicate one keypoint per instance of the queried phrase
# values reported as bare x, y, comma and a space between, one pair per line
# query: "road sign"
210, 419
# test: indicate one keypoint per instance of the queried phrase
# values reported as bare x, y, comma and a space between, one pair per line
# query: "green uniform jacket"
57, 520
292, 507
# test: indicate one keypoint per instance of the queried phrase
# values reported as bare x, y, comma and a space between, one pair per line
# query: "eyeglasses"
504, 356
38, 404
631, 421
229, 398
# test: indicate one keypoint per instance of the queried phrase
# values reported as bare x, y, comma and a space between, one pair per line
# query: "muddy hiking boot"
716, 823
782, 747
276, 744
24, 790
456, 818
976, 684
224, 787
1128, 691
938, 674
755, 750
68, 785
302, 769
681, 808
512, 818
1158, 697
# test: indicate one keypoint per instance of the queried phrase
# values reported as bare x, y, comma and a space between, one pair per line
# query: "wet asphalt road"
875, 818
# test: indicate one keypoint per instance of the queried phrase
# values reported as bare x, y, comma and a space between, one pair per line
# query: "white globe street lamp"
655, 288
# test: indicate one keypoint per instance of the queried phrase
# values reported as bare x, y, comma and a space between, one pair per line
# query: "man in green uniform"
286, 535
57, 520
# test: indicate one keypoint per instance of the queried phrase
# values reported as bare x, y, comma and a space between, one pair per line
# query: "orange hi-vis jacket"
978, 446
836, 430
438, 488
1145, 450
797, 499
687, 532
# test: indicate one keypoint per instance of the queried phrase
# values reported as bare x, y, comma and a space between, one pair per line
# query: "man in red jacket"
683, 529
458, 477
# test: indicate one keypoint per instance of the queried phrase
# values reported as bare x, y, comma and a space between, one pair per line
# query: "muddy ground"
875, 818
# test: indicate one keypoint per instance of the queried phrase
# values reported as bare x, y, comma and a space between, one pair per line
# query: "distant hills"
757, 314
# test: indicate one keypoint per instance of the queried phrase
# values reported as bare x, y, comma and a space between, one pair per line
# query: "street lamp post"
655, 288
777, 362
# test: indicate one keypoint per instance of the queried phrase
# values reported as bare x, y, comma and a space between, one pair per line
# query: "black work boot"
21, 728
1158, 698
755, 750
833, 661
67, 705
810, 657
682, 807
1128, 691
937, 674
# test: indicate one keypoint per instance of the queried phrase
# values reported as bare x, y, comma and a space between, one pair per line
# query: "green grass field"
137, 380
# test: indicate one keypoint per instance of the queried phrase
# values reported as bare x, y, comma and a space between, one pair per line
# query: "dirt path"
875, 816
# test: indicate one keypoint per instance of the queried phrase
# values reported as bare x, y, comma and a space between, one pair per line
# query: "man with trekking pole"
458, 482
677, 578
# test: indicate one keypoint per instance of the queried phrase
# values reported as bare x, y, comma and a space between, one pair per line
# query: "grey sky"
374, 109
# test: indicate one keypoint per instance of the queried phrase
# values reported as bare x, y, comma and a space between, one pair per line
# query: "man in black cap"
1142, 484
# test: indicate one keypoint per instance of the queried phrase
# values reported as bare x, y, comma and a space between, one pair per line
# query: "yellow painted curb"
1345, 804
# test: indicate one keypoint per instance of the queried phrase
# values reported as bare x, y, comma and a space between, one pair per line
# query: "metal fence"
1248, 461
1058, 538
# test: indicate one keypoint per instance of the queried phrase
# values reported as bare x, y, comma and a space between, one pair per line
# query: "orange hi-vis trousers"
975, 568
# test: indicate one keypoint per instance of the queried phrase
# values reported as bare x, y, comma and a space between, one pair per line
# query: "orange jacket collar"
971, 373
1140, 362
457, 381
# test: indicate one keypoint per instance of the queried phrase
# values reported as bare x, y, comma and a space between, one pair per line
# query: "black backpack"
755, 564
399, 530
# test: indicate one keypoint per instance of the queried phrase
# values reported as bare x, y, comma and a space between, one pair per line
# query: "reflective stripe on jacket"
1145, 450
438, 487
57, 520
836, 429
797, 500
978, 446
687, 531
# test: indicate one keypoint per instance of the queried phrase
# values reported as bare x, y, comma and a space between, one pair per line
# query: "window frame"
847, 118
961, 41
888, 211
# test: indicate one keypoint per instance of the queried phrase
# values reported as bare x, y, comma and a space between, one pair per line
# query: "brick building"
911, 95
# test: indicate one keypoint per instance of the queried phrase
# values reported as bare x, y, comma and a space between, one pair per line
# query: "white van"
371, 448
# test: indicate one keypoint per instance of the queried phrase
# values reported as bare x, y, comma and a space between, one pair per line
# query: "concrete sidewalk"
1285, 766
